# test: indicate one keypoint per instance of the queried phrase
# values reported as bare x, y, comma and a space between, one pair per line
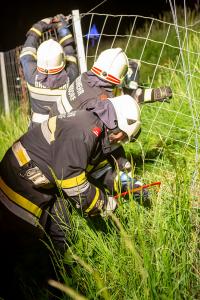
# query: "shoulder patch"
103, 97
96, 131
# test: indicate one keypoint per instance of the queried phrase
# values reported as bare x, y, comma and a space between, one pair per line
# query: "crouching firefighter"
62, 153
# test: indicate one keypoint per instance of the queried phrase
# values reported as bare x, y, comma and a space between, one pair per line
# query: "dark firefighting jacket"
58, 154
85, 93
46, 89
87, 88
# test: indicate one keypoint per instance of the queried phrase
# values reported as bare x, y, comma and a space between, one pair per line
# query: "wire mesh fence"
169, 55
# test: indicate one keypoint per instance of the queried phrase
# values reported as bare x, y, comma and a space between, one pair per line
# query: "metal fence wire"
169, 55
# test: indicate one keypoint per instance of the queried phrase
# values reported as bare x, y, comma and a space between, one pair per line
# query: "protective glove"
162, 94
129, 183
110, 206
58, 18
63, 31
48, 21
60, 21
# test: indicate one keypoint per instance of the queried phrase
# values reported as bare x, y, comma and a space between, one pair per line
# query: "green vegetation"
141, 253
11, 128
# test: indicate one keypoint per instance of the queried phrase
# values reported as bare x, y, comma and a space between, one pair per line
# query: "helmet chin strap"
109, 147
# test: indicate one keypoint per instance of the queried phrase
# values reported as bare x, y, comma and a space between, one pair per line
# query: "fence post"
4, 85
79, 41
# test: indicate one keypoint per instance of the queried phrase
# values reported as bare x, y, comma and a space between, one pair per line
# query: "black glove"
48, 21
60, 21
62, 26
162, 94
129, 183
142, 195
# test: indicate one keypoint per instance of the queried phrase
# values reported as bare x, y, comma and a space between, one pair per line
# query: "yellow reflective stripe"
117, 182
69, 36
94, 201
72, 182
116, 186
20, 154
101, 164
28, 53
52, 127
89, 168
36, 31
71, 58
20, 200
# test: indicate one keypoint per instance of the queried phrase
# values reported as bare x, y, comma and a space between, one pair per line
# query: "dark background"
18, 17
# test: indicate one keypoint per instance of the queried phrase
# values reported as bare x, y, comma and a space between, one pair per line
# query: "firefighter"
67, 154
112, 74
48, 68
61, 153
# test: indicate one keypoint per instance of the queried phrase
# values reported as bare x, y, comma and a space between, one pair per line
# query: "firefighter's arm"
28, 55
93, 201
149, 95
120, 178
71, 161
40, 27
28, 58
63, 30
66, 40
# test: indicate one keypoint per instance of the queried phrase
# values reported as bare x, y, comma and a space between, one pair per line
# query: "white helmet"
128, 114
50, 57
111, 65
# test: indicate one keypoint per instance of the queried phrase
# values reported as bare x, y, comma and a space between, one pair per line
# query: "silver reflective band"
66, 103
42, 90
29, 51
147, 94
39, 118
60, 107
46, 98
77, 190
46, 132
100, 172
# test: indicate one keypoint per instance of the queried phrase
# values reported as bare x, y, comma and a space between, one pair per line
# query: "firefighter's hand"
61, 25
48, 21
109, 207
128, 183
162, 94
61, 20
58, 18
140, 195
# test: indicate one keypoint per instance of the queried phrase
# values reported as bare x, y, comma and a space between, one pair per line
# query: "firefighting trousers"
39, 211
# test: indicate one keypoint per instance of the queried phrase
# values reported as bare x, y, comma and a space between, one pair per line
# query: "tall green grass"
144, 253
11, 128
